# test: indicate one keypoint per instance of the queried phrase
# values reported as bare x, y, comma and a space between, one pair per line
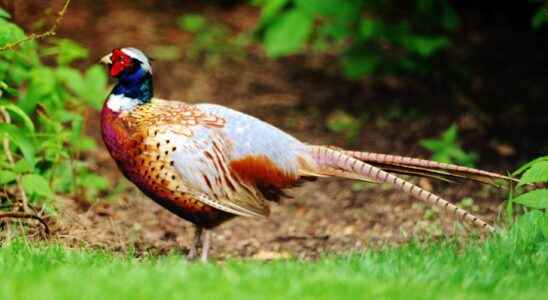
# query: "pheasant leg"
196, 243
205, 236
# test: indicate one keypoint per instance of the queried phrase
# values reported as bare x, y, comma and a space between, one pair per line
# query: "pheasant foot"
201, 240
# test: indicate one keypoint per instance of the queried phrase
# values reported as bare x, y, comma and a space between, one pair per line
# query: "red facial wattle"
120, 62
116, 69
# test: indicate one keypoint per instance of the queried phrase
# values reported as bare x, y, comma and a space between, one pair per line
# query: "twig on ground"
14, 215
287, 238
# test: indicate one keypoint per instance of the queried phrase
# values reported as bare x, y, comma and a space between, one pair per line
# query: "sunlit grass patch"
513, 265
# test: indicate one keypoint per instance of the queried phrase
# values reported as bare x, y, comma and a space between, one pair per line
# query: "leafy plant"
446, 148
345, 124
42, 125
366, 36
540, 17
534, 172
211, 40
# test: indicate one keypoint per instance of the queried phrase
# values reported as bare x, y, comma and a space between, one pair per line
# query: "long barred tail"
428, 168
328, 157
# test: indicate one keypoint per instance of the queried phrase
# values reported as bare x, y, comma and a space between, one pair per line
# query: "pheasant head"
132, 69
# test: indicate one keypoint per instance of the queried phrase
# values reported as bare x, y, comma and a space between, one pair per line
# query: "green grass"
513, 265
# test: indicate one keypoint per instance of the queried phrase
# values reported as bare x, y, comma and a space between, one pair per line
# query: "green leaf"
446, 149
534, 199
19, 112
42, 86
325, 7
343, 123
271, 9
425, 45
43, 80
529, 164
66, 51
432, 144
441, 156
545, 226
335, 31
540, 17
21, 139
64, 177
4, 87
318, 7
22, 166
538, 172
449, 18
85, 144
18, 74
368, 29
192, 22
36, 184
4, 14
340, 10
465, 158
92, 87
359, 62
94, 181
95, 86
7, 176
288, 33
450, 135
9, 32
72, 78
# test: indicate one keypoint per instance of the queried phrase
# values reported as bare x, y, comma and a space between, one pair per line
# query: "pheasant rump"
208, 163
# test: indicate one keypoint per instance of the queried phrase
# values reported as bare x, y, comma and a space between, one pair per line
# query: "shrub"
42, 129
534, 172
366, 36
211, 40
446, 148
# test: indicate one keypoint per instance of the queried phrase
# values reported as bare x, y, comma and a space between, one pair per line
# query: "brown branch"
36, 36
287, 238
14, 215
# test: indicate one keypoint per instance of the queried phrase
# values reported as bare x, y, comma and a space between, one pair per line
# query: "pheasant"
207, 163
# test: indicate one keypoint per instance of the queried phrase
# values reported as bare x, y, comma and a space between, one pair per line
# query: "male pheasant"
207, 163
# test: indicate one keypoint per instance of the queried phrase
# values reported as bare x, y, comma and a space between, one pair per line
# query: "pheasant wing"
203, 167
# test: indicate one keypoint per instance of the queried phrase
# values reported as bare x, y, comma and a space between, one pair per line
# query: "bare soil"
327, 216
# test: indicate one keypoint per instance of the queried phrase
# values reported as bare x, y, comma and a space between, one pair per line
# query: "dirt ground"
327, 216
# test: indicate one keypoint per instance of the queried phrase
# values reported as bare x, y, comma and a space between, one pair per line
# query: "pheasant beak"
106, 59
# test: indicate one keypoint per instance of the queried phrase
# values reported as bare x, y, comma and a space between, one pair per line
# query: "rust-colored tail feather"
329, 158
427, 168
